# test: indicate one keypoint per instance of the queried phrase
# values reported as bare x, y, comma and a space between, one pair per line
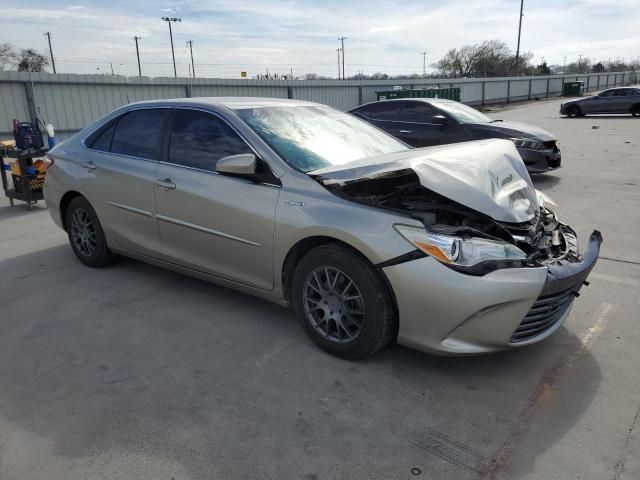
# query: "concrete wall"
72, 101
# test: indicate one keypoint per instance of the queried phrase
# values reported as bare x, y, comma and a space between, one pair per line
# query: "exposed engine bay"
543, 239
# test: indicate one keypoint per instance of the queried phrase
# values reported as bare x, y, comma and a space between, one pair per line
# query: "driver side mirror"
243, 164
439, 120
596, 97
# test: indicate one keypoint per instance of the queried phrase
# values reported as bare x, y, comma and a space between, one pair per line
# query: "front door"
210, 222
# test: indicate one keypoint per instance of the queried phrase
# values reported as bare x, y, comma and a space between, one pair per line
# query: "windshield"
309, 137
462, 113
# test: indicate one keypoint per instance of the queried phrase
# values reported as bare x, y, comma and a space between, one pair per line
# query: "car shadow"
620, 116
20, 209
544, 181
140, 365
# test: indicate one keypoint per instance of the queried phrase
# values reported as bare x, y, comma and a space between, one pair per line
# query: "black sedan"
423, 122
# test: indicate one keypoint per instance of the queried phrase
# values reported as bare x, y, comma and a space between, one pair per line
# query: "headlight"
528, 143
460, 251
545, 201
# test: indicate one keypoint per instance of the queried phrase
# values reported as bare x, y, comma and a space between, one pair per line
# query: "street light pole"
424, 63
169, 20
519, 32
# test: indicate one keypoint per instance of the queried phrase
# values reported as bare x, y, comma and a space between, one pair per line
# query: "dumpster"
449, 93
574, 89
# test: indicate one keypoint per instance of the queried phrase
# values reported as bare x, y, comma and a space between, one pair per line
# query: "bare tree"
490, 58
7, 56
30, 60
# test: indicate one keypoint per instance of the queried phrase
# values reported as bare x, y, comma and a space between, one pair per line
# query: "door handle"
405, 131
89, 165
166, 184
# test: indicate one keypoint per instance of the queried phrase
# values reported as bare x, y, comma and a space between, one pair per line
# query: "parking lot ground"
136, 372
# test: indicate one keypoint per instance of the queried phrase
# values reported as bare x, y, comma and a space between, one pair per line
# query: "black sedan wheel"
635, 110
342, 302
573, 111
85, 234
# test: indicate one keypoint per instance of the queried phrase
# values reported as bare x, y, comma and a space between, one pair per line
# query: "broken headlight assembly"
468, 254
528, 143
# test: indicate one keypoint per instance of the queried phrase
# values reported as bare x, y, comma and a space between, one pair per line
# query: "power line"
53, 62
342, 39
519, 32
193, 67
138, 55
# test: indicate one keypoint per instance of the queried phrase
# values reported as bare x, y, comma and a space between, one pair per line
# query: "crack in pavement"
619, 468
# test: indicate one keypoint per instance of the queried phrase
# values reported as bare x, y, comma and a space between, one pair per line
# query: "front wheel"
635, 110
342, 302
573, 111
86, 235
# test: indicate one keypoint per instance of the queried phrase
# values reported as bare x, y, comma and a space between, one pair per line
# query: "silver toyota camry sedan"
446, 249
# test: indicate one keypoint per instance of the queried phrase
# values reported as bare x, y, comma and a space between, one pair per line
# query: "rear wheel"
635, 110
86, 236
574, 111
342, 302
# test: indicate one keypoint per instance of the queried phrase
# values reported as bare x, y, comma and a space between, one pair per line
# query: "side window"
199, 140
102, 141
137, 134
381, 110
608, 93
418, 112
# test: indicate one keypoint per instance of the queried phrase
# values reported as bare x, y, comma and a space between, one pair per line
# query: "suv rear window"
137, 134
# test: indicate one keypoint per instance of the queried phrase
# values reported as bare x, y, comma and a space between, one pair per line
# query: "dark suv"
423, 122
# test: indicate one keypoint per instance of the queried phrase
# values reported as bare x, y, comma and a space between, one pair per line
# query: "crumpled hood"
487, 176
514, 129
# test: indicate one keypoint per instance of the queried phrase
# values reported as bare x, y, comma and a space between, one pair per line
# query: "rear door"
210, 222
120, 163
414, 125
382, 114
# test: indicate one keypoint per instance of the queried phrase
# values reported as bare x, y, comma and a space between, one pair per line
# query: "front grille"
544, 314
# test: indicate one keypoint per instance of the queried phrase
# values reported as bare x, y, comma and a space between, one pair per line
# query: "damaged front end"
458, 236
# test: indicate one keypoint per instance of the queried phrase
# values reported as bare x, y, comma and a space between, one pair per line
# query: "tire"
353, 319
86, 236
635, 110
574, 111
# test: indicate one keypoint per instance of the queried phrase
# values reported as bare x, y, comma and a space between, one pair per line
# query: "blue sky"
234, 35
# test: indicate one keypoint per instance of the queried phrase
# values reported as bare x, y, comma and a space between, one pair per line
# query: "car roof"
411, 99
233, 103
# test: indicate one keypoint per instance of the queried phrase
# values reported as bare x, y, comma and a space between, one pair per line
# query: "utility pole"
338, 50
111, 64
424, 63
169, 20
519, 32
564, 67
53, 63
342, 39
193, 67
580, 63
138, 55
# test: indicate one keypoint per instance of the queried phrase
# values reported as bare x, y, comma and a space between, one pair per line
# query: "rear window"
137, 134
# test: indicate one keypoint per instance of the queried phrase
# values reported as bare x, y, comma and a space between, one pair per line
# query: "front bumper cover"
540, 161
449, 313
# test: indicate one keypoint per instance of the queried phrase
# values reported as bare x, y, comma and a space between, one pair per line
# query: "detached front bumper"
450, 313
541, 161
